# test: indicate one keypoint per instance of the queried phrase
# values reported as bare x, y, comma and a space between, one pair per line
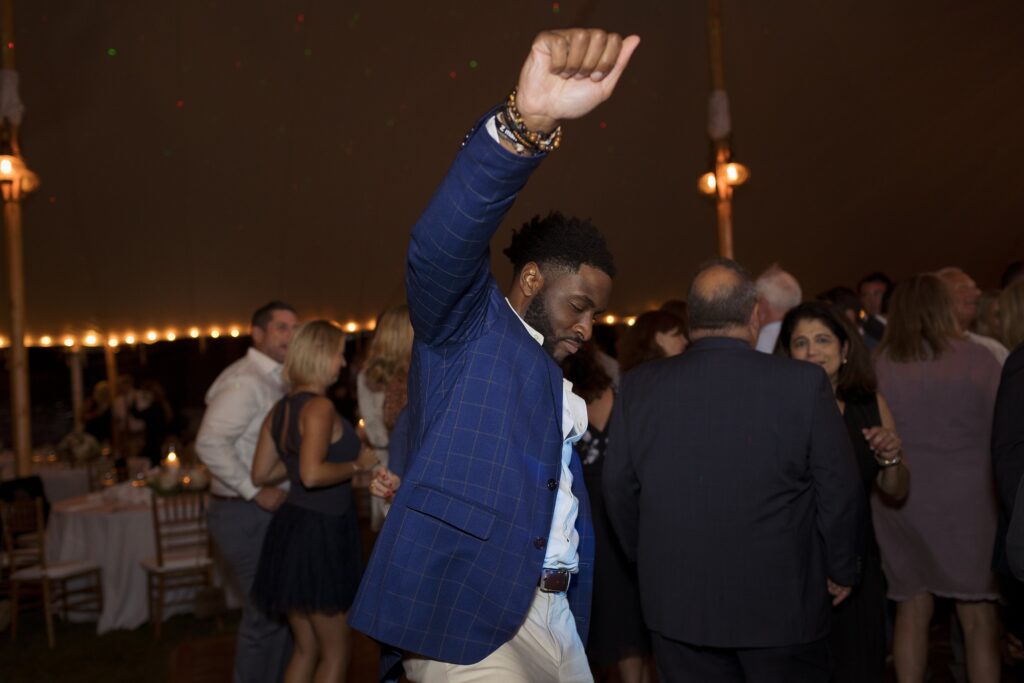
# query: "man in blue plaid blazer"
484, 565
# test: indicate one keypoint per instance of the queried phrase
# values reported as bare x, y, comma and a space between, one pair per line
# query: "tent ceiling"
231, 153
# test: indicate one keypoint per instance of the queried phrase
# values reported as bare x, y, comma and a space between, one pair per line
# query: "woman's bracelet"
892, 462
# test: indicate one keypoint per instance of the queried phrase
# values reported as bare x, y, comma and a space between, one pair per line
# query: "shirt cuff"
248, 490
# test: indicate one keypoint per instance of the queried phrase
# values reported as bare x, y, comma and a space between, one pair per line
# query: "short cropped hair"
310, 353
725, 308
779, 288
876, 276
262, 316
638, 343
560, 241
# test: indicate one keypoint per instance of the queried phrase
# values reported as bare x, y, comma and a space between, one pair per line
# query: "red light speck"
604, 124
301, 18
180, 104
452, 74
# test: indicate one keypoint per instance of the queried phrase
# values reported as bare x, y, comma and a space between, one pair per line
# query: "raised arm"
565, 76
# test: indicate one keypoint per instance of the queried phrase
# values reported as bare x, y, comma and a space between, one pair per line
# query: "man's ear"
530, 280
258, 334
754, 325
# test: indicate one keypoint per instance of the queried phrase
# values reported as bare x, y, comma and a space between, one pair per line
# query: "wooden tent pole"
77, 388
723, 201
18, 363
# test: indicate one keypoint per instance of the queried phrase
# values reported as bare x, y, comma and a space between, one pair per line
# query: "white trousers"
545, 648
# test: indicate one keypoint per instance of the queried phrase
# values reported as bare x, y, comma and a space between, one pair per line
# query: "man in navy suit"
730, 478
483, 568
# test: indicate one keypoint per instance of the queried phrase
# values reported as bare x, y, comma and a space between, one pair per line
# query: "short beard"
537, 317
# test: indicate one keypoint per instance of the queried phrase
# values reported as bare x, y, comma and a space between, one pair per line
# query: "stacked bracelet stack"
510, 125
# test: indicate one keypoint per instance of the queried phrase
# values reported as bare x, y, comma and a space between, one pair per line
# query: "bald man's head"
722, 298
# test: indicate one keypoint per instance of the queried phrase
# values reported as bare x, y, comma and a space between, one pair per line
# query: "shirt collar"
537, 336
265, 363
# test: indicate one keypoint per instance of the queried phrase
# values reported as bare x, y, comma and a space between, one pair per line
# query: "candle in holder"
171, 462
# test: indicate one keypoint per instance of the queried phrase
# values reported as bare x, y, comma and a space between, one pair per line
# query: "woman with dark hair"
814, 332
618, 636
655, 334
939, 541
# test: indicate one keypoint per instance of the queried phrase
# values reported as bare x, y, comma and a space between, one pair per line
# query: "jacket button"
539, 543
552, 484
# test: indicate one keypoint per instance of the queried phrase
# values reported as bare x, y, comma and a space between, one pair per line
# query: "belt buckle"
554, 580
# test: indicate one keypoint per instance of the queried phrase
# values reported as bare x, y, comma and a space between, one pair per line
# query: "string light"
91, 338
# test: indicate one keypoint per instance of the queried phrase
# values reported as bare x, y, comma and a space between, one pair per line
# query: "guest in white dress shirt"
239, 511
777, 293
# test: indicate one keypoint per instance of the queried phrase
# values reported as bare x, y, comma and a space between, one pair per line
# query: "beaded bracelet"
530, 139
521, 145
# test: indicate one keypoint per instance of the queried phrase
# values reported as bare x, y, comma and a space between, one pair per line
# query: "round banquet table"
60, 482
114, 529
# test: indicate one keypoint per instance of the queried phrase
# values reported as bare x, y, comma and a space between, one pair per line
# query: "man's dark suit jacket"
1008, 458
731, 479
455, 568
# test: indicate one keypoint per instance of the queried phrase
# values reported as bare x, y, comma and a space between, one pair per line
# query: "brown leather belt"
554, 580
228, 499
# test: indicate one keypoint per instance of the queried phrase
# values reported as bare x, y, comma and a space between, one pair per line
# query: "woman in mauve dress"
938, 541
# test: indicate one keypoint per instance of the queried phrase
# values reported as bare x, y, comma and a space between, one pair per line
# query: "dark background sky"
233, 151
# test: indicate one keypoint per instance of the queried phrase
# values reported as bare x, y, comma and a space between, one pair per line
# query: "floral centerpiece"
173, 478
79, 447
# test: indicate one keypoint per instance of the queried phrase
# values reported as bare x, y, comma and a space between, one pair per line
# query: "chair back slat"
179, 523
24, 531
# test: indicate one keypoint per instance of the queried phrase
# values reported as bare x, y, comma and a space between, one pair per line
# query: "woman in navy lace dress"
310, 566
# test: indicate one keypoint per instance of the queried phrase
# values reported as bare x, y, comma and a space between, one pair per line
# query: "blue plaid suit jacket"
455, 567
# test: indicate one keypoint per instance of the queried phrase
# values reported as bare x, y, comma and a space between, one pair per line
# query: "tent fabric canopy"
199, 158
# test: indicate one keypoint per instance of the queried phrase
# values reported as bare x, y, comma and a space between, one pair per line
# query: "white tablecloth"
59, 481
114, 529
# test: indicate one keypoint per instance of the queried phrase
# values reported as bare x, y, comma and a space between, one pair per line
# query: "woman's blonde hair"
391, 348
310, 353
921, 321
1011, 314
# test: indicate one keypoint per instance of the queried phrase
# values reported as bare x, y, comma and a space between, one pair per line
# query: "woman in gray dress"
938, 541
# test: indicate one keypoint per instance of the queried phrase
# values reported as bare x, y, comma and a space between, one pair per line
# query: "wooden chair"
25, 540
183, 558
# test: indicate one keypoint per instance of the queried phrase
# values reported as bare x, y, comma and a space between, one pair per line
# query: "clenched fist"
568, 73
